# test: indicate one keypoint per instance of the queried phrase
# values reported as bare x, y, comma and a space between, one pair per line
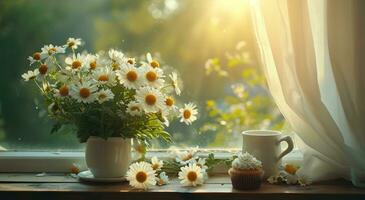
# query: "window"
209, 42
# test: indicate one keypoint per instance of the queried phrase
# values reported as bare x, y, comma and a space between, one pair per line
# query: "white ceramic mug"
265, 146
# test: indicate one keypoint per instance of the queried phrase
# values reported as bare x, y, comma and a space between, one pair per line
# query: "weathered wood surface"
218, 187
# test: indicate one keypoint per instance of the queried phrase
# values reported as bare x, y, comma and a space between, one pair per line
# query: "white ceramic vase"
108, 158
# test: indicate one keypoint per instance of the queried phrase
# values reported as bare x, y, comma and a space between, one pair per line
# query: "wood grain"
218, 187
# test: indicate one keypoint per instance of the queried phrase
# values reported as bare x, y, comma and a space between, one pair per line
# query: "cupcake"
246, 172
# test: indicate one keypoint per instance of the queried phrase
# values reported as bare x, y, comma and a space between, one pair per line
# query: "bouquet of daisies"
107, 94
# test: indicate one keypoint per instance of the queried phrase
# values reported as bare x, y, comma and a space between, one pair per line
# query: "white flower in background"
191, 175
104, 95
141, 175
130, 62
36, 57
303, 179
50, 50
115, 55
91, 61
75, 62
62, 91
202, 163
152, 62
104, 76
153, 77
151, 99
156, 163
162, 179
186, 157
175, 83
73, 43
30, 75
117, 58
129, 76
84, 92
188, 113
170, 104
66, 76
134, 109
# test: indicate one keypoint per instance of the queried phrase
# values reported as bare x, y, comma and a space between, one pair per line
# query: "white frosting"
246, 161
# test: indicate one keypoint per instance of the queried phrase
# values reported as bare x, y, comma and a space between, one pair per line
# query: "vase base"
89, 177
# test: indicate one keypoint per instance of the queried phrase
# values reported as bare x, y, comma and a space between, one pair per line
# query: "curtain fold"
311, 54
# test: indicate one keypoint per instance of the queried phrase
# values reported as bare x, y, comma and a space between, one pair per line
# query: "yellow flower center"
151, 76
132, 76
134, 108
43, 68
115, 66
187, 114
63, 90
76, 64
150, 99
130, 61
37, 56
154, 64
103, 78
84, 92
70, 44
102, 96
192, 176
141, 177
155, 166
92, 65
291, 169
52, 50
169, 101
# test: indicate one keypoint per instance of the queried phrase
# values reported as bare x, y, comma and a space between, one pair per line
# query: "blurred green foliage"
183, 32
247, 105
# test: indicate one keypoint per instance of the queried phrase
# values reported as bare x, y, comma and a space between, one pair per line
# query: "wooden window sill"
59, 186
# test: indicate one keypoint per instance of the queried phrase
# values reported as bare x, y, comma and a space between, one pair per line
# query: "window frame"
42, 161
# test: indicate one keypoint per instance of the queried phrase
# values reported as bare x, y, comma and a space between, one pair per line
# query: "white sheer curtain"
313, 53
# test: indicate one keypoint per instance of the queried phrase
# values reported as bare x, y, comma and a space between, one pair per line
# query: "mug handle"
290, 143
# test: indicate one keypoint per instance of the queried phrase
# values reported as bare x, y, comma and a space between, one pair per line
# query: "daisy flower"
51, 50
141, 175
153, 77
131, 61
201, 163
162, 179
134, 109
188, 113
151, 99
104, 76
62, 91
175, 83
75, 63
73, 43
191, 175
170, 103
30, 75
129, 76
156, 163
117, 58
104, 95
186, 157
152, 62
84, 92
303, 179
91, 61
36, 57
